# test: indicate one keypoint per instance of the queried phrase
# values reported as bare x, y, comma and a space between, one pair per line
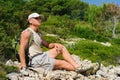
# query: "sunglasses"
38, 18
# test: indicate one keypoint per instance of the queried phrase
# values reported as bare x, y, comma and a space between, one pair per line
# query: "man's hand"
21, 66
58, 47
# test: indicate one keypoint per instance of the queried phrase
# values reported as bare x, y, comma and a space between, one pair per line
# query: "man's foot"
96, 67
84, 70
89, 70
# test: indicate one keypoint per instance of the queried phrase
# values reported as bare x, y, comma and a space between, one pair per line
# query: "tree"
10, 24
77, 9
112, 13
92, 14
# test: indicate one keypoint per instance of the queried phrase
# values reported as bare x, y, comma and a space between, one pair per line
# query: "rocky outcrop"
105, 73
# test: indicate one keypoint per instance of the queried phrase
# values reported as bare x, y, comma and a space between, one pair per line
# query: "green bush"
60, 25
2, 74
52, 39
84, 32
95, 51
88, 33
5, 70
116, 41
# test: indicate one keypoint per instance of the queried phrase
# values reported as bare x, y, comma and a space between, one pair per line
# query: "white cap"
34, 15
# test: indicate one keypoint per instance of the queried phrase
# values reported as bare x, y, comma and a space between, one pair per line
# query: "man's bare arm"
25, 36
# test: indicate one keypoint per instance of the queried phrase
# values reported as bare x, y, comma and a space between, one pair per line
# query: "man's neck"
35, 28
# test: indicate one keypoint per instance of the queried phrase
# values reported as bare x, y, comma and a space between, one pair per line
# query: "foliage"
88, 33
54, 25
52, 39
112, 13
87, 49
5, 70
116, 41
92, 14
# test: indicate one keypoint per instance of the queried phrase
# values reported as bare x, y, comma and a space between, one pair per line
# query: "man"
46, 60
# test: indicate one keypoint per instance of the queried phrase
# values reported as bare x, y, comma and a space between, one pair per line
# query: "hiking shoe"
84, 70
96, 67
89, 70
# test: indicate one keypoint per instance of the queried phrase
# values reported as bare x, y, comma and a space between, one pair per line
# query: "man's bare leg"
66, 56
62, 64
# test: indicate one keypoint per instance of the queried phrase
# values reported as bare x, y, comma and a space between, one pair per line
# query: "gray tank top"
35, 46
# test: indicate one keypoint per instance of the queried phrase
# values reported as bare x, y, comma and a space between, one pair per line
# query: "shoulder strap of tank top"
34, 32
30, 30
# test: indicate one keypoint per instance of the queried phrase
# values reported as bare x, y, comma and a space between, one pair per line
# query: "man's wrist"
51, 45
23, 68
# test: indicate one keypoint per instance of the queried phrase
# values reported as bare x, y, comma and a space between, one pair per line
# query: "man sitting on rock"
46, 60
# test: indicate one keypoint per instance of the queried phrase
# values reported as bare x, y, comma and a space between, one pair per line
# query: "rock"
13, 76
105, 73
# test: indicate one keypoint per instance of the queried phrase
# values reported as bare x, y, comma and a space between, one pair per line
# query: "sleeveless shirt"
35, 46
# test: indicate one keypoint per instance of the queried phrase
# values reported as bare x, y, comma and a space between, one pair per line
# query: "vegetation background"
67, 19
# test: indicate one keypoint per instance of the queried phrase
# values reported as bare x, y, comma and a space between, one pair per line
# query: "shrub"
5, 70
93, 51
116, 41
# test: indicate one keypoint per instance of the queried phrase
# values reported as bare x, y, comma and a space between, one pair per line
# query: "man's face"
35, 21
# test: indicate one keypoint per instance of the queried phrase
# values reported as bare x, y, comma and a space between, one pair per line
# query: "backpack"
17, 45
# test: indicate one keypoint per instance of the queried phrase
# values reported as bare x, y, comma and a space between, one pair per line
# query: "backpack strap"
31, 38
